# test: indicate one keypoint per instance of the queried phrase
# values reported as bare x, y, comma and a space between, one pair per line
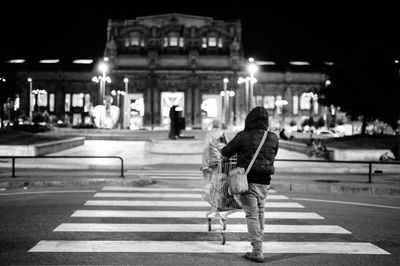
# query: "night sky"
317, 31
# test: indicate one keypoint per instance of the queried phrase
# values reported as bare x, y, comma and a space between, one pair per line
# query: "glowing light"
16, 61
226, 80
252, 68
82, 61
271, 63
39, 92
126, 80
243, 80
103, 67
281, 102
299, 63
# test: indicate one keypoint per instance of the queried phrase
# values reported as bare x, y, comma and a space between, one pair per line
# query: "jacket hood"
257, 118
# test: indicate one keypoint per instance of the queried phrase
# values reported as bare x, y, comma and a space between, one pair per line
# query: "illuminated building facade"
158, 61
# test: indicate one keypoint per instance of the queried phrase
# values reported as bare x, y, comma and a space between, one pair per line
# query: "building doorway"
168, 99
211, 108
133, 115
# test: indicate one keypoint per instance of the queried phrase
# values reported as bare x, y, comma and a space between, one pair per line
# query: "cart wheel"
209, 224
223, 239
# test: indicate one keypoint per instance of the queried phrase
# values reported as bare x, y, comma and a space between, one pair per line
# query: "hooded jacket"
246, 142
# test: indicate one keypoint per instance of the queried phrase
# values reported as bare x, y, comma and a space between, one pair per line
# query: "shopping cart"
214, 191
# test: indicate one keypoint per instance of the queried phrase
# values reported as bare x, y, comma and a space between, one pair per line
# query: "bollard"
370, 172
13, 167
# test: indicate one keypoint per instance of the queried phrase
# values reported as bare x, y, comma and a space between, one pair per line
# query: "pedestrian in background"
173, 115
245, 144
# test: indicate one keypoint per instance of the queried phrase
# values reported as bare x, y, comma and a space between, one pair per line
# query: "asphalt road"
31, 216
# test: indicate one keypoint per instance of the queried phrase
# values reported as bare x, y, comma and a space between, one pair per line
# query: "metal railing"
13, 158
370, 163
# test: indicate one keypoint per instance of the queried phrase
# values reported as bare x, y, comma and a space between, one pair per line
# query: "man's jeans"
253, 203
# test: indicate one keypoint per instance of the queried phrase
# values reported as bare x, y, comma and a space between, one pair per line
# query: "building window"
173, 41
315, 106
279, 106
77, 100
181, 43
67, 107
76, 119
305, 102
258, 100
295, 104
135, 41
33, 101
269, 102
204, 43
51, 102
87, 103
212, 41
220, 44
42, 99
165, 42
17, 103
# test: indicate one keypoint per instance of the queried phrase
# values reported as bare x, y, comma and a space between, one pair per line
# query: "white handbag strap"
256, 154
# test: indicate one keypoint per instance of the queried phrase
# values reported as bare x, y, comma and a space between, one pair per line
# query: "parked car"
329, 133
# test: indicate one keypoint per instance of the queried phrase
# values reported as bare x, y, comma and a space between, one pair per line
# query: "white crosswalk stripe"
153, 189
122, 202
178, 177
177, 203
197, 228
206, 247
187, 214
166, 195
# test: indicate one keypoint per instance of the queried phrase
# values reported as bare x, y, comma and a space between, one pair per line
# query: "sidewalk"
290, 176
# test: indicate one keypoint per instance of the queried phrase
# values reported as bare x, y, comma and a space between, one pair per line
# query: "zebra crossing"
167, 210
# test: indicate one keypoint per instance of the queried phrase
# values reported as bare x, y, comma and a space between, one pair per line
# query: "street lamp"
252, 68
225, 102
226, 118
30, 99
102, 80
118, 93
125, 104
246, 81
103, 69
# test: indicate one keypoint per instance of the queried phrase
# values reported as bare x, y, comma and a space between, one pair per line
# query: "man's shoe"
254, 257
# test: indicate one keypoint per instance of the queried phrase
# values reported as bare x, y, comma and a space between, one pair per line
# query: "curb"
335, 189
144, 181
85, 182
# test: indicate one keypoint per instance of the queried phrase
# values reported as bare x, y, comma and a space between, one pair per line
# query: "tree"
366, 85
